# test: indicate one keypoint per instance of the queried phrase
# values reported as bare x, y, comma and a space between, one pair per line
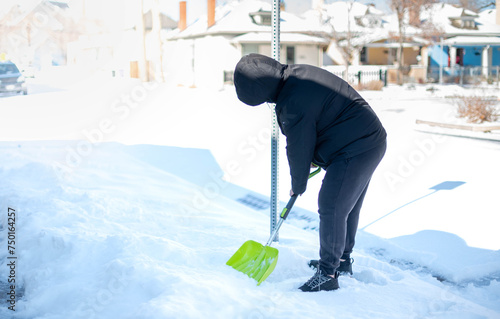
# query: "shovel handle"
286, 210
316, 171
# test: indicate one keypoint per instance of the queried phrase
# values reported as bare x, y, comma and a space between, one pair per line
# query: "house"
206, 52
369, 32
35, 33
468, 39
368, 39
120, 51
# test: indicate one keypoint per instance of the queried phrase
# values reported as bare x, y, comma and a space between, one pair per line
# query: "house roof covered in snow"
366, 23
239, 17
60, 4
340, 17
455, 21
480, 41
488, 16
165, 21
244, 20
14, 15
450, 20
354, 15
259, 37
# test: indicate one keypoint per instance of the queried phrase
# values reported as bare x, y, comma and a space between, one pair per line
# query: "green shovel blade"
255, 260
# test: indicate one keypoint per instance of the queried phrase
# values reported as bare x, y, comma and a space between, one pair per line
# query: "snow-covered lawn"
128, 203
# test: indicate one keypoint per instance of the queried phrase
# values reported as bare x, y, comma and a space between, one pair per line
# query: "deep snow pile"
120, 237
108, 230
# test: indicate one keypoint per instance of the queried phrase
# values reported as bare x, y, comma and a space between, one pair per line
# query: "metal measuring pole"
275, 46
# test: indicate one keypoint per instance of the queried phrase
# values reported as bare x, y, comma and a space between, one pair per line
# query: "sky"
195, 8
123, 12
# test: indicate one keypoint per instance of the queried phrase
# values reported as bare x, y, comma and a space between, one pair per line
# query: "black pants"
340, 200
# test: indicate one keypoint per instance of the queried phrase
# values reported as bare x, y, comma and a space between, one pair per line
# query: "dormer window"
469, 24
463, 23
368, 21
261, 17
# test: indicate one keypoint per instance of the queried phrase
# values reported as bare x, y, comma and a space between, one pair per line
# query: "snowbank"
120, 237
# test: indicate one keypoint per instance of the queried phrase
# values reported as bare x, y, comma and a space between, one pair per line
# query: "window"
393, 54
261, 17
469, 24
464, 23
460, 56
228, 76
248, 48
290, 55
363, 57
266, 20
8, 68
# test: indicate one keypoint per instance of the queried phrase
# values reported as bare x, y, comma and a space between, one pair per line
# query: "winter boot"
321, 282
345, 266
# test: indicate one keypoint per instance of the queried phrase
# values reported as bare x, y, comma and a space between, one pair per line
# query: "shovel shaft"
283, 215
289, 205
273, 235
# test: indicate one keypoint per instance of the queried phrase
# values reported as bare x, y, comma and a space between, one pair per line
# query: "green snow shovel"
258, 261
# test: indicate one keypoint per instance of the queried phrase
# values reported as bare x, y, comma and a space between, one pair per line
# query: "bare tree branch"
402, 8
486, 5
474, 5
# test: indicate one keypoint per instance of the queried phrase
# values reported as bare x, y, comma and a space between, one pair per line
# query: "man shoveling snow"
326, 122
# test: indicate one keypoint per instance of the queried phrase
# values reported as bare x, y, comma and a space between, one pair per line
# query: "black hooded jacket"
321, 115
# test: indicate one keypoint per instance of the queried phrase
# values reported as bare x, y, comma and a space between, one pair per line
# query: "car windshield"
8, 68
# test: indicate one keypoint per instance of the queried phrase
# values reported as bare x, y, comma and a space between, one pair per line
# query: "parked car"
11, 80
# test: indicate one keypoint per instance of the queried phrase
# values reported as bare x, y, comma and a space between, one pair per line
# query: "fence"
356, 77
464, 75
360, 75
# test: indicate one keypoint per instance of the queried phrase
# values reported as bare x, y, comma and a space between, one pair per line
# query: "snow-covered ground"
129, 199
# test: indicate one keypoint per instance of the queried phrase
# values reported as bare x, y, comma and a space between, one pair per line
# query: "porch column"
485, 60
355, 58
424, 56
453, 57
